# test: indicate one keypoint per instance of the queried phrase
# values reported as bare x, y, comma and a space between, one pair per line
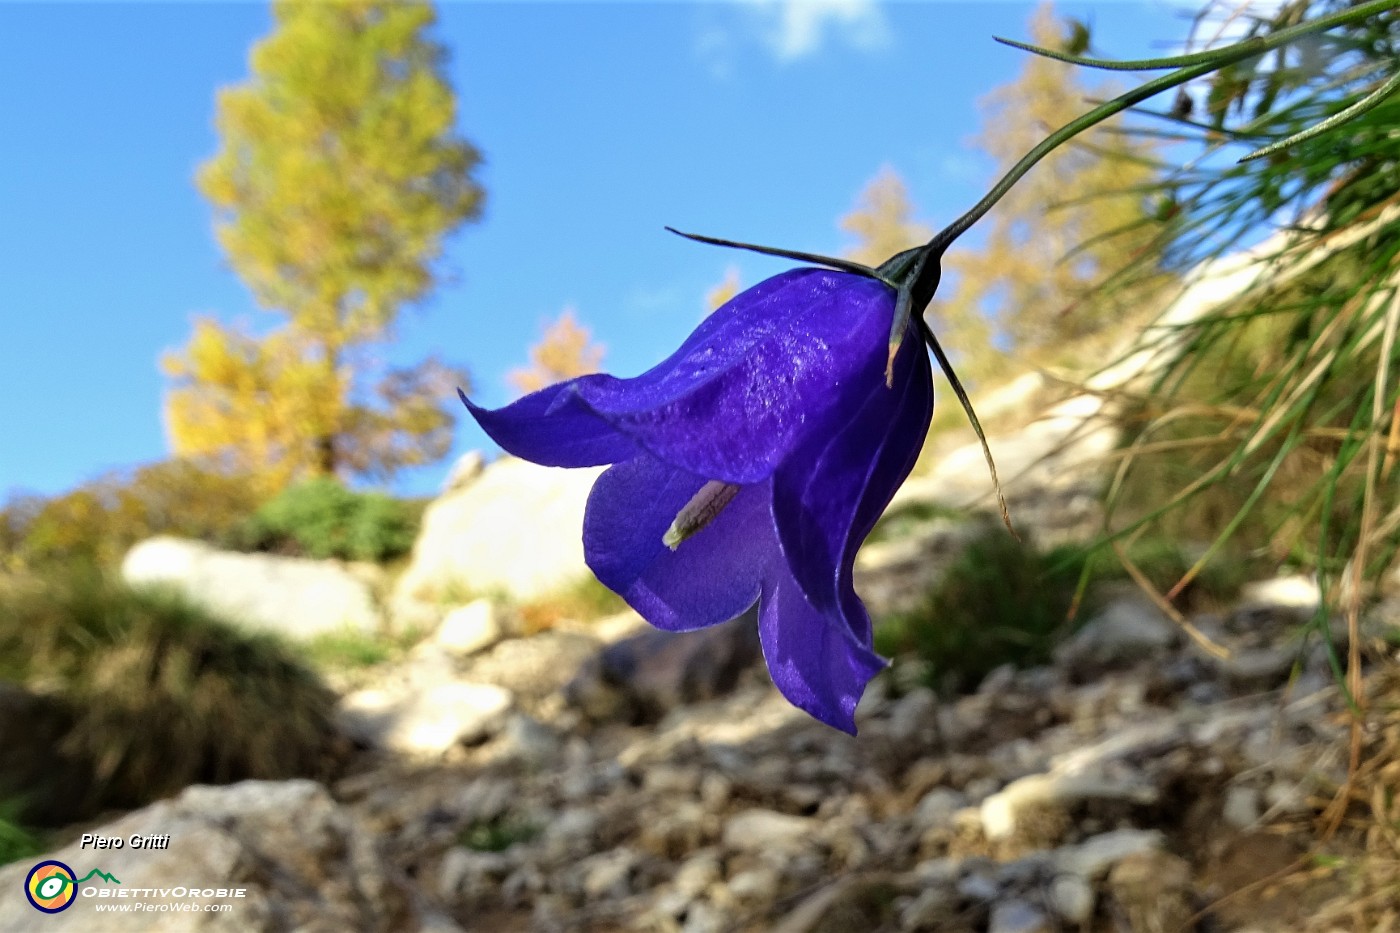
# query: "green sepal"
833, 262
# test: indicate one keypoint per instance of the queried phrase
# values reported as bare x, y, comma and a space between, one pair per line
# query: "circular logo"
51, 886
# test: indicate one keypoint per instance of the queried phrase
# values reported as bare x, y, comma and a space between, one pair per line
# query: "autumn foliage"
98, 521
1033, 285
337, 178
564, 351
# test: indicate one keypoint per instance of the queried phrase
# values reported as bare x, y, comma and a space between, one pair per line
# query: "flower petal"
554, 427
758, 378
827, 497
711, 577
813, 662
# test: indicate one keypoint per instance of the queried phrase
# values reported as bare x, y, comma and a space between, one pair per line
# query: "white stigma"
702, 509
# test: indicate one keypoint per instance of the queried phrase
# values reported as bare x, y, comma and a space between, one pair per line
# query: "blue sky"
599, 122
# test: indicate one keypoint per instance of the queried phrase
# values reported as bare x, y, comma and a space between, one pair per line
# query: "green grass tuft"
585, 600
1000, 602
352, 649
497, 835
142, 694
16, 841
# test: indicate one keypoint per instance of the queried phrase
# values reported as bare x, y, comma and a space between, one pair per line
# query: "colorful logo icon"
51, 886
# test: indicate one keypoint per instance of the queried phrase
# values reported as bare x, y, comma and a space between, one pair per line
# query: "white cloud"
1226, 21
798, 28
793, 29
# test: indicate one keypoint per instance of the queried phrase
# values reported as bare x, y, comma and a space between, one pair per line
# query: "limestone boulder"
270, 855
470, 628
290, 596
515, 530
424, 720
646, 675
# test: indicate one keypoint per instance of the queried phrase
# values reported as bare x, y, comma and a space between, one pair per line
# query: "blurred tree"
338, 176
566, 350
882, 220
264, 402
271, 395
1081, 215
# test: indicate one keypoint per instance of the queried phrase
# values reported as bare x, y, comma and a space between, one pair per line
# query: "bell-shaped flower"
748, 466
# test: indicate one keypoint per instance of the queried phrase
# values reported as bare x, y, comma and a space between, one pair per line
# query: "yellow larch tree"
565, 350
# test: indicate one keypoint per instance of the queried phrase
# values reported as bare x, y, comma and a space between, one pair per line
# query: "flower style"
748, 466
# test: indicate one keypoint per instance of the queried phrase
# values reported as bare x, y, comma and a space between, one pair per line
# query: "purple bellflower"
749, 466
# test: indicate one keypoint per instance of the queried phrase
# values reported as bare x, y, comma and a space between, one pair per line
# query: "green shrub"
143, 695
1000, 602
498, 834
321, 518
1005, 602
1163, 562
97, 522
16, 842
355, 649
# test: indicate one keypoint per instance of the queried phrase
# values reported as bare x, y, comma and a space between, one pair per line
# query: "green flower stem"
1200, 64
1258, 44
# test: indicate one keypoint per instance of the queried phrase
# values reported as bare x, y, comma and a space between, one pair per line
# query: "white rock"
287, 595
756, 886
977, 886
1015, 916
1001, 810
937, 807
463, 868
1294, 592
913, 714
572, 833
1095, 855
317, 868
1207, 286
1072, 898
1241, 808
427, 665
704, 917
483, 799
528, 740
1285, 796
608, 874
413, 616
936, 872
468, 467
755, 830
470, 628
515, 530
617, 627
426, 722
696, 874
1125, 631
